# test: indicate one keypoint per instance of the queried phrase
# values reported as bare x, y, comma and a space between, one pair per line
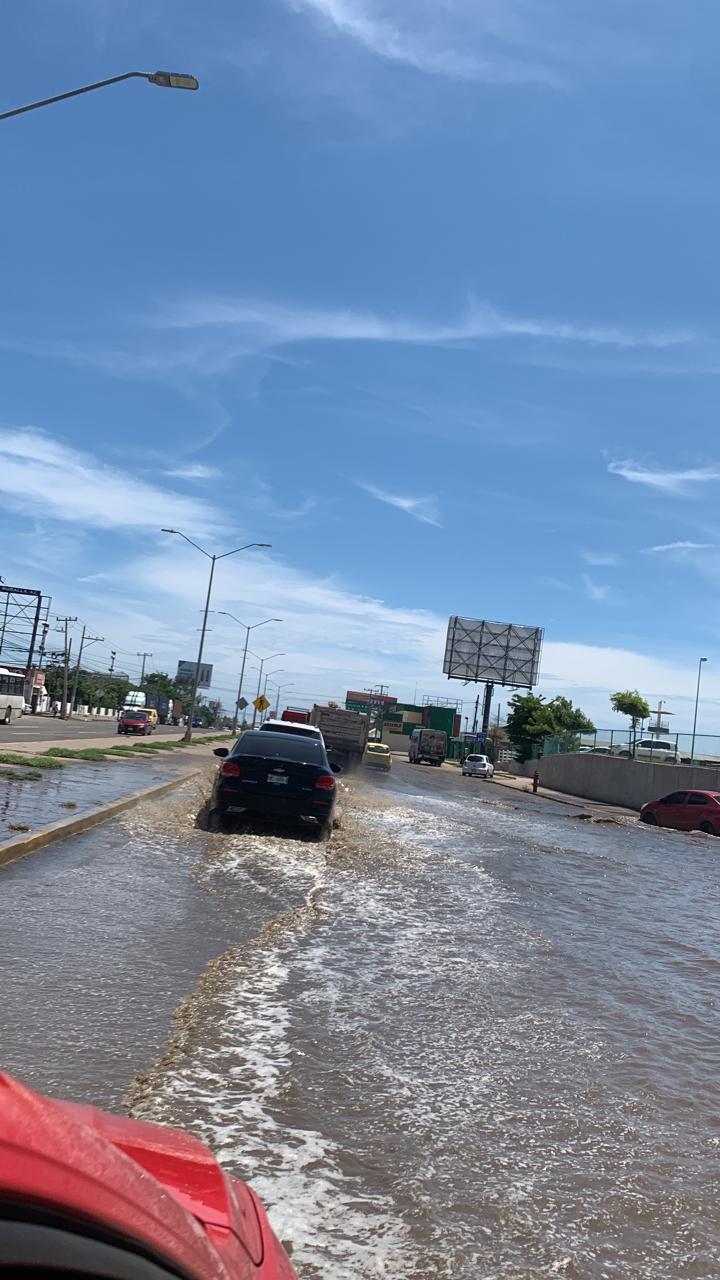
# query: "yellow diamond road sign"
261, 704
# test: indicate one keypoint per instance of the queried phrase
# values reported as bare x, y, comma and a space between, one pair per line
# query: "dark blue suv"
284, 776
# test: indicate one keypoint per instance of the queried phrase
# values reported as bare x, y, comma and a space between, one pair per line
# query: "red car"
87, 1194
135, 722
685, 811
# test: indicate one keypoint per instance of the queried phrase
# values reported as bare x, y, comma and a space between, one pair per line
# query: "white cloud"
667, 481
601, 559
387, 30
423, 509
263, 325
678, 546
41, 476
194, 471
597, 591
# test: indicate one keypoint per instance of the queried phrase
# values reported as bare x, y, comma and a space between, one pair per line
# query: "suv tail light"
325, 782
230, 770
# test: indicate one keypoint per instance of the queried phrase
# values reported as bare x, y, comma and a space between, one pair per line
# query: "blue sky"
424, 294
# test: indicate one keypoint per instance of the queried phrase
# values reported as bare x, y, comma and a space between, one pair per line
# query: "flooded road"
472, 1037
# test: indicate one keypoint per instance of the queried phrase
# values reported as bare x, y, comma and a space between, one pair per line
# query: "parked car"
685, 811
476, 766
378, 756
285, 776
657, 750
134, 720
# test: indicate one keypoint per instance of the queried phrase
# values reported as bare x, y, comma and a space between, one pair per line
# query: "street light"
248, 629
697, 699
260, 669
268, 674
166, 80
280, 688
187, 737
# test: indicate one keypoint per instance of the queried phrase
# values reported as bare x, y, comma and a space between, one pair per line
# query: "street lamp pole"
280, 689
259, 688
166, 80
248, 629
697, 699
187, 736
268, 674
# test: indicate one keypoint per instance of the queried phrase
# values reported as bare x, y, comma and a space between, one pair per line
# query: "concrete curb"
25, 844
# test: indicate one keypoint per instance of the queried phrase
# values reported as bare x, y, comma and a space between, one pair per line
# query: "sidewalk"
593, 807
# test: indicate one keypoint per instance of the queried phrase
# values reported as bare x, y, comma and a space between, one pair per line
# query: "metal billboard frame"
503, 653
22, 609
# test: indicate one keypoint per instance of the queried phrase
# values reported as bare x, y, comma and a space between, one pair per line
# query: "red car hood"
155, 1185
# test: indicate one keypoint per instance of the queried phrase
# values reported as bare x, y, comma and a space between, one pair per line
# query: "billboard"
497, 652
186, 674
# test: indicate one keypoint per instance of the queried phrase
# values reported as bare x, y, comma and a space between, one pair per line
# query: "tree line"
531, 720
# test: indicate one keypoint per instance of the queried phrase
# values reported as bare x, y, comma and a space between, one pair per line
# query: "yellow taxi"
378, 756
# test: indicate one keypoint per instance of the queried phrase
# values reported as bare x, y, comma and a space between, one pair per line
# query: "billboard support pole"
475, 717
487, 702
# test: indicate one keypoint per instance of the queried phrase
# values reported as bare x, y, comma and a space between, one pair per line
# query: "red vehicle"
132, 721
83, 1193
296, 715
685, 811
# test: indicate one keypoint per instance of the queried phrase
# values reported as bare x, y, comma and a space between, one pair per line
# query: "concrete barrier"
627, 783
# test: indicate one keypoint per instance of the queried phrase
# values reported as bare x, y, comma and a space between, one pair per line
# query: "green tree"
630, 703
161, 683
532, 719
521, 725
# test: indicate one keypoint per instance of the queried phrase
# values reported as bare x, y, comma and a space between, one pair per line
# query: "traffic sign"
480, 737
261, 704
242, 704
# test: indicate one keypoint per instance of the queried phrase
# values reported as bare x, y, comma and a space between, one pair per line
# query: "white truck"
345, 734
427, 744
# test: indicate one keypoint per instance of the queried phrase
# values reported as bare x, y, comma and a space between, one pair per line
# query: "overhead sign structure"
186, 674
493, 652
261, 704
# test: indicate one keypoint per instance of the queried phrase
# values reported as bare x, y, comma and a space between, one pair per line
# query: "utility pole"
90, 640
65, 622
475, 717
144, 657
34, 696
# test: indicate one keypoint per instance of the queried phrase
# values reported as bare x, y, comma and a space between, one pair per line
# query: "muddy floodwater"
36, 798
472, 1037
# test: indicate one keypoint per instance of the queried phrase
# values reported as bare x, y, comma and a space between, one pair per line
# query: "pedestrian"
56, 708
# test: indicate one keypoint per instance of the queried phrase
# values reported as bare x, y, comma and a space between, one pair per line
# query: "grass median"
30, 762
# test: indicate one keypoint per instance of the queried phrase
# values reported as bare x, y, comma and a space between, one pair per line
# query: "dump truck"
345, 734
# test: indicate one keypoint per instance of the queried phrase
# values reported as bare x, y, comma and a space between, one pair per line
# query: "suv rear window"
280, 746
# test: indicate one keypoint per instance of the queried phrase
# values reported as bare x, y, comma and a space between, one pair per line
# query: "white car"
477, 767
657, 750
290, 726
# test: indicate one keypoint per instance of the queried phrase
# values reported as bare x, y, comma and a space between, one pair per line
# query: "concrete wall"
629, 783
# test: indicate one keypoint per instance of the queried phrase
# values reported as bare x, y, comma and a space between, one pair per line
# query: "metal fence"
676, 748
